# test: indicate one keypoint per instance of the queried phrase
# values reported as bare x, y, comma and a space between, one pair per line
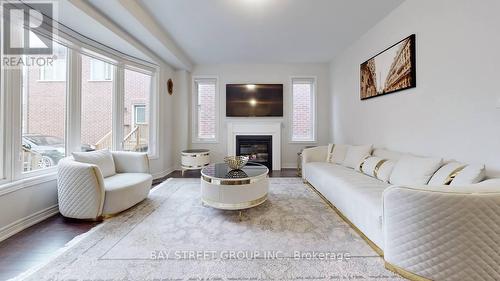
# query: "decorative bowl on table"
236, 162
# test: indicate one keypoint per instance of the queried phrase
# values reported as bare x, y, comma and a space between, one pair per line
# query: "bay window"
303, 110
90, 97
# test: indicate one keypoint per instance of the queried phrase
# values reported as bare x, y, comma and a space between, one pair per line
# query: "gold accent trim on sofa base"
360, 233
406, 274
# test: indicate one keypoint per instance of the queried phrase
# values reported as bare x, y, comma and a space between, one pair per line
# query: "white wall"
267, 73
454, 111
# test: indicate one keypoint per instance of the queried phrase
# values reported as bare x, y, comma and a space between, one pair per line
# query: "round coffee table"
227, 189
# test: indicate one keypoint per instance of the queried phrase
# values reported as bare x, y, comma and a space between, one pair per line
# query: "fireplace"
257, 148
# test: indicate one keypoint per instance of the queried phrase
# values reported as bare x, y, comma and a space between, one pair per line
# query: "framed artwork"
389, 71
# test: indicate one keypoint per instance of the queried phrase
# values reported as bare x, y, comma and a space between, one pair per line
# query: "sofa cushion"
101, 158
336, 153
446, 174
384, 172
371, 164
471, 174
347, 190
413, 170
125, 190
356, 154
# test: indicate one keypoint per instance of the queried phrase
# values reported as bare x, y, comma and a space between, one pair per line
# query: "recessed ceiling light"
252, 102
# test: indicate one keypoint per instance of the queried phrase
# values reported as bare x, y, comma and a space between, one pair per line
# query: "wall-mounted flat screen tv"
254, 100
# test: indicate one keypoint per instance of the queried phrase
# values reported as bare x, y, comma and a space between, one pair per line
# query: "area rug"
172, 236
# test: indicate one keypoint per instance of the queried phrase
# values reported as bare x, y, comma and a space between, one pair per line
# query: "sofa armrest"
80, 189
131, 162
314, 154
443, 233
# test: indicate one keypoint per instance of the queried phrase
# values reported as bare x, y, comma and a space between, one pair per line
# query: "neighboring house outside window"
55, 72
303, 110
140, 114
100, 70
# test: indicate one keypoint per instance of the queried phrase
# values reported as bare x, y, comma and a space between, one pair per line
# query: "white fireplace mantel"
256, 128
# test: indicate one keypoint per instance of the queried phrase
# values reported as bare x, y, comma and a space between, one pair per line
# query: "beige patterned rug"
171, 236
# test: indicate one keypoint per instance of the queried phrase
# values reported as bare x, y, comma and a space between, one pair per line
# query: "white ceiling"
266, 31
77, 20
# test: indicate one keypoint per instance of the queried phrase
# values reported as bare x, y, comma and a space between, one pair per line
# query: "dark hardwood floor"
37, 243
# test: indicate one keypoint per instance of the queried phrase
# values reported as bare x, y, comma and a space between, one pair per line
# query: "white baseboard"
163, 173
21, 224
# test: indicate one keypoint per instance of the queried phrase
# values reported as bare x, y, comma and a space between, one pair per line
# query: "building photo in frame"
390, 71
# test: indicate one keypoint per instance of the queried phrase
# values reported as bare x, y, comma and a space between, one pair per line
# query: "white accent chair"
84, 193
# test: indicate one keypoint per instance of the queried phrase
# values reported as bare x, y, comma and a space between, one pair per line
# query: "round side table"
194, 159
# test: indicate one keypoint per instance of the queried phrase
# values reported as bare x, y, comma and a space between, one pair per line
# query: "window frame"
154, 109
313, 82
18, 172
12, 175
3, 129
194, 109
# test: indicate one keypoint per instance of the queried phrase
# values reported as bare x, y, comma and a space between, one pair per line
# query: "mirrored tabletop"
222, 171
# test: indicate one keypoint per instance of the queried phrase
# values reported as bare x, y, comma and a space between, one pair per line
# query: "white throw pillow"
355, 154
470, 175
413, 170
446, 174
336, 153
371, 164
101, 158
384, 172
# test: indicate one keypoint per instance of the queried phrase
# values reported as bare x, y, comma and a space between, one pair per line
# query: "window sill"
26, 182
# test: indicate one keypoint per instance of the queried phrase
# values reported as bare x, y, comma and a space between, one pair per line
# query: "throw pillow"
471, 174
337, 153
371, 164
101, 158
356, 154
446, 174
383, 173
413, 170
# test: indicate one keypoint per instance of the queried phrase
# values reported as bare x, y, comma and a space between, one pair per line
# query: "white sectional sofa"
445, 232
